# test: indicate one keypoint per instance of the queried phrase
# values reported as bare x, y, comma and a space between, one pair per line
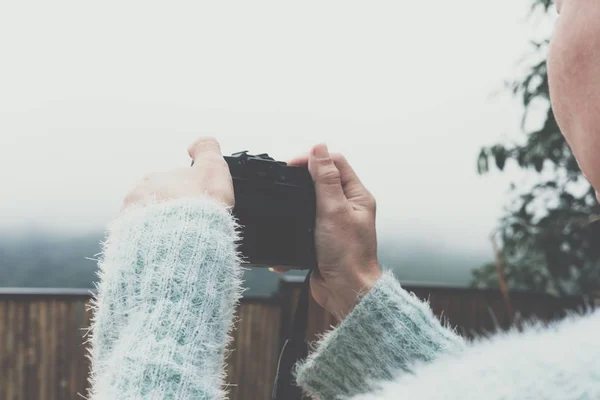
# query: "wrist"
352, 288
369, 277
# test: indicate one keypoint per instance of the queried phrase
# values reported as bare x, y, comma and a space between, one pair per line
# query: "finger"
279, 270
206, 153
300, 161
328, 184
354, 190
205, 148
210, 166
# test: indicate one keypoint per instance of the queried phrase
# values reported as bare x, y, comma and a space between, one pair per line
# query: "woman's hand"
345, 236
209, 177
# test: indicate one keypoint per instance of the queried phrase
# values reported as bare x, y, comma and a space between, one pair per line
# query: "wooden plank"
11, 349
40, 338
3, 349
31, 331
270, 325
61, 356
71, 343
274, 321
21, 352
256, 367
233, 360
43, 349
52, 339
86, 369
264, 339
79, 365
75, 317
252, 388
240, 353
258, 357
35, 332
20, 347
270, 343
246, 354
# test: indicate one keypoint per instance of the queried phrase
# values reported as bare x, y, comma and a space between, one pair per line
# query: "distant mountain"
421, 261
49, 260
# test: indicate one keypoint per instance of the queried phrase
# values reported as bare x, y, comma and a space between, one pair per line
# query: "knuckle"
144, 186
129, 199
148, 178
133, 197
204, 144
329, 175
371, 201
336, 209
152, 179
215, 168
338, 158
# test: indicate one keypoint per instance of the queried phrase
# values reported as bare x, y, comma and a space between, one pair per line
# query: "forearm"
387, 333
169, 283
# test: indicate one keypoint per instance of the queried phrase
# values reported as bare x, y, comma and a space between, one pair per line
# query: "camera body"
275, 205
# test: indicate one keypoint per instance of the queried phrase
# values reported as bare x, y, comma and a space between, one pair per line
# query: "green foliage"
548, 236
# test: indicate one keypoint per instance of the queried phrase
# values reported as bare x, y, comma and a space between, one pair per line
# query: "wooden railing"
43, 351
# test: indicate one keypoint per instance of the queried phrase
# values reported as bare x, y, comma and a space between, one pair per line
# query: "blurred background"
442, 107
94, 96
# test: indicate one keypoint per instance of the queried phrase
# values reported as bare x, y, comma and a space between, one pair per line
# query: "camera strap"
295, 348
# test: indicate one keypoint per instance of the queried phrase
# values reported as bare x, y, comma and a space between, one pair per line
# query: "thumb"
328, 183
204, 148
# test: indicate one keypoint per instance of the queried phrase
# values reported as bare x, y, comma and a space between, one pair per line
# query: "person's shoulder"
556, 359
575, 327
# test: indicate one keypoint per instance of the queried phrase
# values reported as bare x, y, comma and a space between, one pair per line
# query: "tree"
547, 240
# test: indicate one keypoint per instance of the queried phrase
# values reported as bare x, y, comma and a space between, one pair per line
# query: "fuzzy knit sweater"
170, 278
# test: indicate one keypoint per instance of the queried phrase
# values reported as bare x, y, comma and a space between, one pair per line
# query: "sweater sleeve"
555, 362
169, 282
388, 332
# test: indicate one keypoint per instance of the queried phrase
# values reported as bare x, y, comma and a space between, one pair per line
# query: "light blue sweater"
170, 280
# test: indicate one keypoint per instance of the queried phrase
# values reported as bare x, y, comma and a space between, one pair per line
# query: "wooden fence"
43, 356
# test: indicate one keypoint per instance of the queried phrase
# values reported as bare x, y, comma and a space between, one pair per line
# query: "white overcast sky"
95, 94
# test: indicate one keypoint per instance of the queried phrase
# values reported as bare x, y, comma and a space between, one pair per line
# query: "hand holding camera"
345, 236
313, 213
209, 177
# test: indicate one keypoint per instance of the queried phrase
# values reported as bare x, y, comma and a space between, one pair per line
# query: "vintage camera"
275, 205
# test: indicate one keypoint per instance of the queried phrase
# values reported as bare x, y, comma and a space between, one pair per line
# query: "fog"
95, 95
